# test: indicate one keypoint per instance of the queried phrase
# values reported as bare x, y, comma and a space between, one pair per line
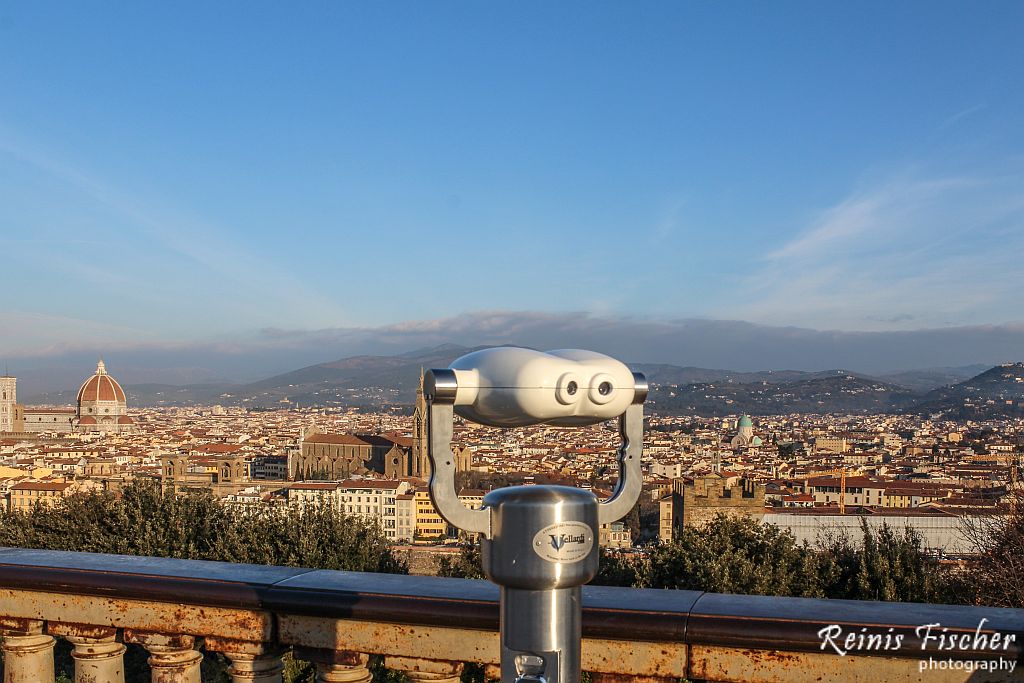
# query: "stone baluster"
250, 662
337, 666
99, 658
28, 652
173, 658
426, 670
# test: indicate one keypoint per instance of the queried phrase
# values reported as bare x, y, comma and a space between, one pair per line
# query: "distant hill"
933, 378
380, 381
151, 395
915, 380
833, 392
358, 380
994, 394
673, 374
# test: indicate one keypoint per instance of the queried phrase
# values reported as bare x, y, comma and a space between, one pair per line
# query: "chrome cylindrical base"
540, 635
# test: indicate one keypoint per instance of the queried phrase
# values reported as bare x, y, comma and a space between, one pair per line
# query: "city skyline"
257, 257
726, 345
257, 182
901, 361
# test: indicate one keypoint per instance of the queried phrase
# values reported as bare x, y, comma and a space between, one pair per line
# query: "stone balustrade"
428, 627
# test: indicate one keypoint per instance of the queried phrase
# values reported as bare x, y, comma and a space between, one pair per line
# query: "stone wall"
697, 503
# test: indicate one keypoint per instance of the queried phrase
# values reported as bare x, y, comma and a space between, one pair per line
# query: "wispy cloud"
214, 257
669, 223
960, 115
25, 334
908, 251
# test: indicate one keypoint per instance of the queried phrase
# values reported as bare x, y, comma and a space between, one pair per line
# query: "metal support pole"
529, 653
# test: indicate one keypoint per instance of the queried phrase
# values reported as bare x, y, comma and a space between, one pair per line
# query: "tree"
616, 569
996, 576
465, 565
144, 520
741, 555
890, 565
733, 555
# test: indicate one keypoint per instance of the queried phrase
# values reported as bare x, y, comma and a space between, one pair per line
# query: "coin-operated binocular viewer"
539, 543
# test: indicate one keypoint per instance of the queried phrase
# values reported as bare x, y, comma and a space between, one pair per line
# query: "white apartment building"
405, 515
832, 444
859, 491
365, 498
667, 470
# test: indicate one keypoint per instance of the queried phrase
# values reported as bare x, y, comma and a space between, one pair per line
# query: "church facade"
339, 456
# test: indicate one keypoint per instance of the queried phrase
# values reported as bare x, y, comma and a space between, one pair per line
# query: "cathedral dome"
101, 387
102, 406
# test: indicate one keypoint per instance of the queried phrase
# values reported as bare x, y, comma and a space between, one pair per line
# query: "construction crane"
842, 485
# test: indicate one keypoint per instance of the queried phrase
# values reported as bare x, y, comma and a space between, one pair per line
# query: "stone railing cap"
758, 622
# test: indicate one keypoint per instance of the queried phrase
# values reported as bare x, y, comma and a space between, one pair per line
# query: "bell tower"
9, 400
420, 460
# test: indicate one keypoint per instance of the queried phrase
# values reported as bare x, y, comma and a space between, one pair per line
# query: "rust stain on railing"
429, 625
137, 614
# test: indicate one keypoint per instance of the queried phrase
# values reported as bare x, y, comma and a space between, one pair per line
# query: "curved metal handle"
439, 388
627, 489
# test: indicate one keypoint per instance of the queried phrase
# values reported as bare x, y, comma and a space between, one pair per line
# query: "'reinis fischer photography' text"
980, 650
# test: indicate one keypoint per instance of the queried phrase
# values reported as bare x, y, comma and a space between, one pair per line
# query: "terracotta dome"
125, 420
87, 420
101, 387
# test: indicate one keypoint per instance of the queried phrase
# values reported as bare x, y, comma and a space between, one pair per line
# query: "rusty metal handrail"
690, 617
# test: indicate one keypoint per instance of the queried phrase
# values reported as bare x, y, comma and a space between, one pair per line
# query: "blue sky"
186, 172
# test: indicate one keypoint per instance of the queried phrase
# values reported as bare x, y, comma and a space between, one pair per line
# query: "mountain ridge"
994, 394
383, 380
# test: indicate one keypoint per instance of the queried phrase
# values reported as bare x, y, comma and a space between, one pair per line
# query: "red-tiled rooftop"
316, 486
338, 439
40, 486
217, 448
856, 482
370, 484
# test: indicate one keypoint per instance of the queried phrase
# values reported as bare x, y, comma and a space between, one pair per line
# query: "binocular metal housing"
539, 543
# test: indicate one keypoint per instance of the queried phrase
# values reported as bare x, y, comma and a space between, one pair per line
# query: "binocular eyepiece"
515, 387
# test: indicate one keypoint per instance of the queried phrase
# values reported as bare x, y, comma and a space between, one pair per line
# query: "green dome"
756, 441
745, 421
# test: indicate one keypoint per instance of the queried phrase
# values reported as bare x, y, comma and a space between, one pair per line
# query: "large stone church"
338, 456
101, 406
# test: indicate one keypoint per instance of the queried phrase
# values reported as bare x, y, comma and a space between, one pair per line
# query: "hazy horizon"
202, 194
728, 345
